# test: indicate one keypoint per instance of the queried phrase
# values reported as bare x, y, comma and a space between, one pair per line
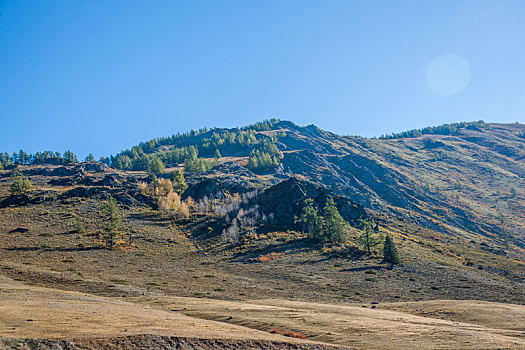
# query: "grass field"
36, 312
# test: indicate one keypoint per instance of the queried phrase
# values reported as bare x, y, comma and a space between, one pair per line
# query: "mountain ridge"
389, 174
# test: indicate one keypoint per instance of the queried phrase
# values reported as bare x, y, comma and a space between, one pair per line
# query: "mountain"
234, 246
470, 177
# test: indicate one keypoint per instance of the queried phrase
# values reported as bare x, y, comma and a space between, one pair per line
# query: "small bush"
268, 257
143, 188
294, 335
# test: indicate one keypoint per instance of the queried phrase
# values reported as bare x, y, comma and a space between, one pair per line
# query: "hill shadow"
56, 249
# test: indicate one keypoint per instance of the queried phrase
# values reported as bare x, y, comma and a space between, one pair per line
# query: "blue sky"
100, 76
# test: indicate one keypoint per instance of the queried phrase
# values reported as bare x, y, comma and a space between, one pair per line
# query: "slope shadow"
56, 249
364, 268
291, 247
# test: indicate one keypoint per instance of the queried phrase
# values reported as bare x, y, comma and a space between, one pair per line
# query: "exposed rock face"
285, 200
223, 180
409, 177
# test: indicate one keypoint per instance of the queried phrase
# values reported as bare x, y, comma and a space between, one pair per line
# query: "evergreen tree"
5, 160
335, 225
390, 255
90, 158
312, 221
253, 164
198, 165
155, 165
217, 154
139, 163
193, 152
70, 157
19, 184
112, 220
368, 239
154, 184
23, 157
179, 182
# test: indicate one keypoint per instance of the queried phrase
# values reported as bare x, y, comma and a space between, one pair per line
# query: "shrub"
165, 187
19, 184
268, 257
78, 226
143, 188
294, 335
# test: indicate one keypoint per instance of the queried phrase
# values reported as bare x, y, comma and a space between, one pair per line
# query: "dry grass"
369, 328
35, 312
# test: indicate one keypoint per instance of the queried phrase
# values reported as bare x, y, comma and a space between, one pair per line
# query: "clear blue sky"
100, 76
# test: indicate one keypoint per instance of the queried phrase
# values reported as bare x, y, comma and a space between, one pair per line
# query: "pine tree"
368, 239
155, 166
70, 157
217, 154
252, 162
335, 225
390, 255
112, 220
311, 221
179, 182
19, 184
154, 184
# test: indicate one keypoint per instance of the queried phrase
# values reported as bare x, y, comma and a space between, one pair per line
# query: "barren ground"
36, 312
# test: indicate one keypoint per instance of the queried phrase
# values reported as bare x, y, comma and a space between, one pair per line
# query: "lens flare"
448, 74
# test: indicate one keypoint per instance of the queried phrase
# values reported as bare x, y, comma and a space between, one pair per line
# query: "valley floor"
32, 312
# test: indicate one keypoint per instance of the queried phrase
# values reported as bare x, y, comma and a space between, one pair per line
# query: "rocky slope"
471, 180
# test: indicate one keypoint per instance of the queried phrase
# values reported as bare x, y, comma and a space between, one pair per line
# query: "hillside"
471, 178
451, 198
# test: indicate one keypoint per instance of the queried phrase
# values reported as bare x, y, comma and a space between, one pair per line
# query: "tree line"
23, 158
152, 156
444, 129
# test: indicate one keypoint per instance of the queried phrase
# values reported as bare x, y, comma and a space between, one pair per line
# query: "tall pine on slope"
335, 225
179, 182
368, 239
390, 255
112, 220
312, 221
